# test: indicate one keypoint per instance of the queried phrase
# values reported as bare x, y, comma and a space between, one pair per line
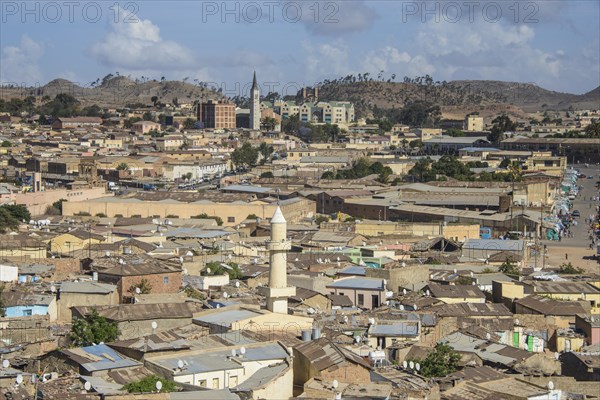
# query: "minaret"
255, 105
278, 291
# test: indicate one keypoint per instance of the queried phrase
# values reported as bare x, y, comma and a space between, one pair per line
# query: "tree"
6, 143
94, 328
455, 132
206, 216
501, 125
265, 151
443, 360
18, 211
128, 123
267, 175
321, 218
291, 124
217, 268
504, 163
269, 123
154, 100
384, 175
144, 286
509, 268
569, 269
148, 385
189, 123
122, 167
328, 175
245, 155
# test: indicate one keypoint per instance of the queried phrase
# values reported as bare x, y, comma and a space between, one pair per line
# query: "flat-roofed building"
217, 115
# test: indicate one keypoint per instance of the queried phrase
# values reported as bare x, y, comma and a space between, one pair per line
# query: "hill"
455, 96
119, 91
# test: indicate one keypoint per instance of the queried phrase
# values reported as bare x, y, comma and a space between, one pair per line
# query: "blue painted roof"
353, 270
99, 357
226, 317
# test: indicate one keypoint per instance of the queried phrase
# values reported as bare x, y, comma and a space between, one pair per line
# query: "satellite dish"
233, 353
418, 366
488, 336
155, 221
237, 284
404, 292
335, 384
19, 379
87, 386
158, 385
53, 289
556, 356
471, 274
225, 295
454, 270
401, 307
550, 385
428, 293
415, 307
138, 290
404, 364
242, 350
517, 322
411, 365
357, 339
181, 260
154, 325
5, 363
180, 364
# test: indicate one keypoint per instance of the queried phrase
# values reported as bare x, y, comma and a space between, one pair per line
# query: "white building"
254, 105
8, 273
227, 367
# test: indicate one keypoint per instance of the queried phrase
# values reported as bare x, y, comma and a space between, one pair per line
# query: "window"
215, 383
230, 219
233, 381
202, 383
27, 313
361, 299
165, 280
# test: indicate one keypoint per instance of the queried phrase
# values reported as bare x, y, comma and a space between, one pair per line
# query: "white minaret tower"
278, 291
255, 105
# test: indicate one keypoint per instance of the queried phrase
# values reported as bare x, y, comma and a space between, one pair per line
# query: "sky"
554, 44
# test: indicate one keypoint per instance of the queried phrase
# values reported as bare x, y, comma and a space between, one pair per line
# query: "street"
576, 250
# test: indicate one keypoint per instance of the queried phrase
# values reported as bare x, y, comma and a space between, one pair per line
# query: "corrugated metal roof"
99, 358
226, 317
359, 283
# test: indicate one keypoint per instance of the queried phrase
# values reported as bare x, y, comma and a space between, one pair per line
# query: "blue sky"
555, 44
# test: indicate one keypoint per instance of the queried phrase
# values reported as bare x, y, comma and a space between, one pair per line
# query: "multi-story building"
473, 123
217, 114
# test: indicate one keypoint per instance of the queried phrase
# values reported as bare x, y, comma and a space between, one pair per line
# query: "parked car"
576, 214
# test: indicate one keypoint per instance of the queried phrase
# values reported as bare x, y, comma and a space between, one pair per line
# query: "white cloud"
393, 61
20, 63
137, 46
498, 51
326, 60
